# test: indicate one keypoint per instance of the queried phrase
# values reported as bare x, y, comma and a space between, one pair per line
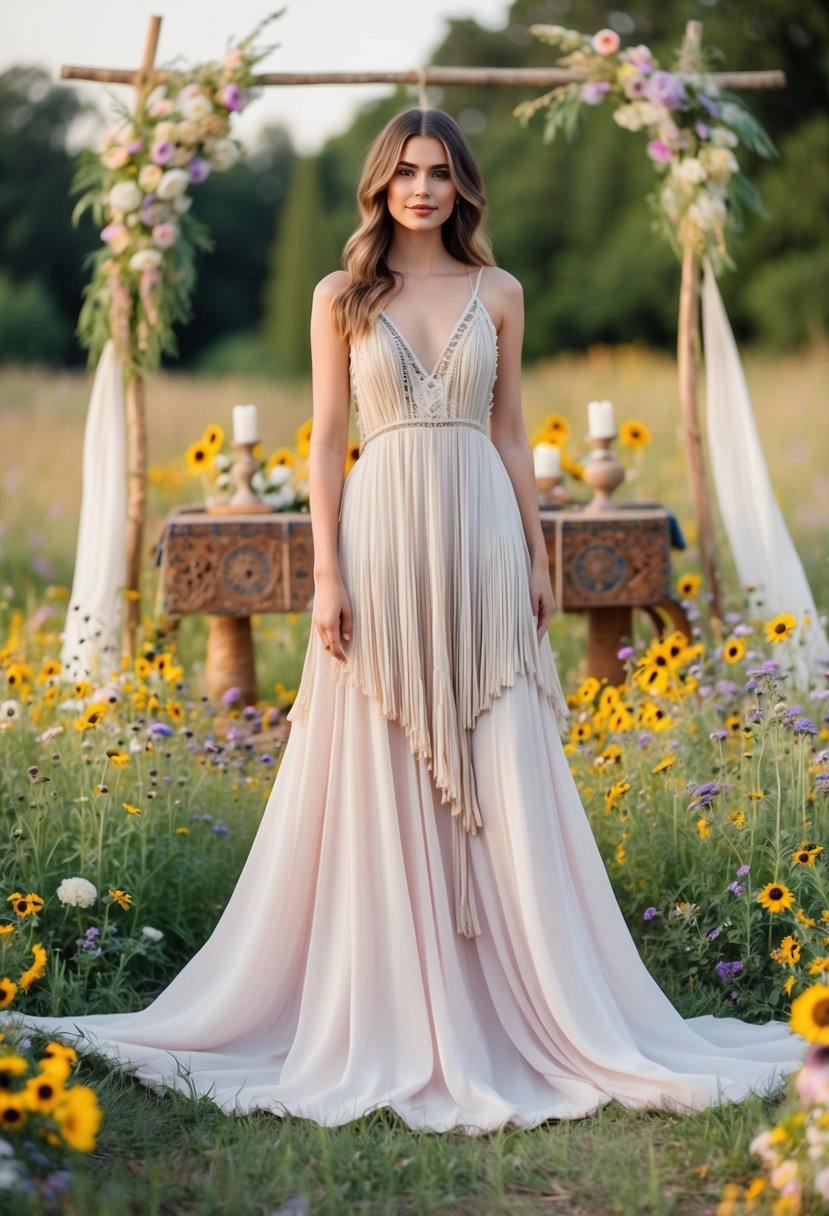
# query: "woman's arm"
510, 438
326, 471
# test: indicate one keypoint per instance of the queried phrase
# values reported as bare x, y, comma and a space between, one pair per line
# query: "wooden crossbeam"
516, 77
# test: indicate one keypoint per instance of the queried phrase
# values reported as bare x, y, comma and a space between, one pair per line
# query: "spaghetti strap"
477, 282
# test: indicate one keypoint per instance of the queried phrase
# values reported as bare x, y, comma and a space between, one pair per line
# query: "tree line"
570, 220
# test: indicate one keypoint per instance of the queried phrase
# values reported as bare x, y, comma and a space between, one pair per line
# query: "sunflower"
281, 458
664, 765
789, 984
688, 586
586, 691
49, 670
616, 791
303, 437
819, 965
117, 757
7, 990
788, 952
199, 458
162, 662
26, 905
780, 628
143, 667
213, 437
651, 677
734, 724
776, 897
634, 434
18, 675
122, 898
555, 429
581, 732
4, 929
91, 716
78, 1116
130, 809
621, 719
734, 650
737, 819
806, 854
352, 455
675, 646
11, 1066
12, 1110
58, 1058
703, 827
810, 1014
612, 754
175, 711
609, 699
37, 968
43, 1092
808, 921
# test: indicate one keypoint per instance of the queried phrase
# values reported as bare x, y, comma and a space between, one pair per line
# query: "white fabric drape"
91, 648
767, 562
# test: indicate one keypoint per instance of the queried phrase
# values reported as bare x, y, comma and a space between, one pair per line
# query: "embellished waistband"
429, 422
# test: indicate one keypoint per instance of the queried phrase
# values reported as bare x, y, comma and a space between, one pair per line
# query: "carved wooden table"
232, 566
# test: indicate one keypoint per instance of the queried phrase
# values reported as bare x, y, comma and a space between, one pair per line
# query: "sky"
315, 35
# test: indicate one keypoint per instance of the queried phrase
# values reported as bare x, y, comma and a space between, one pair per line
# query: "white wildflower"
77, 892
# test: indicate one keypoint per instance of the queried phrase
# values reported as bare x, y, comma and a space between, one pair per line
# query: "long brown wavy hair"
356, 308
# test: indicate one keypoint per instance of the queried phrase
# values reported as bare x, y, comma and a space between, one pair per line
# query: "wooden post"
137, 422
687, 346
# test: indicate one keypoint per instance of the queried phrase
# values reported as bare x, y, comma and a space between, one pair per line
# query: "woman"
424, 921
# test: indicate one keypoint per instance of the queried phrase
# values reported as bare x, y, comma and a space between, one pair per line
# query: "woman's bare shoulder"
331, 285
501, 293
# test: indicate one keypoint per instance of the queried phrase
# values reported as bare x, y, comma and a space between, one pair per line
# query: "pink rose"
606, 42
659, 151
165, 235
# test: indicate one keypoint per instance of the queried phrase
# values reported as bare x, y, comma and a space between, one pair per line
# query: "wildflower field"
127, 811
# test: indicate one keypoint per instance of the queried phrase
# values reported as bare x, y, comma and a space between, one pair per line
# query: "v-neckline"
415, 357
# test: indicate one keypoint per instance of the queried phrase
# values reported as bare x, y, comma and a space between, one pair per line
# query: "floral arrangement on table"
693, 129
281, 479
43, 1119
555, 432
138, 187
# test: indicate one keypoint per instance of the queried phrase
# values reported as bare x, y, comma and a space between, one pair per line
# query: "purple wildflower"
232, 97
593, 91
162, 153
221, 829
161, 729
650, 913
713, 934
822, 782
727, 688
199, 169
727, 971
718, 734
702, 129
752, 686
665, 89
267, 758
231, 695
625, 653
645, 739
743, 870
735, 888
805, 726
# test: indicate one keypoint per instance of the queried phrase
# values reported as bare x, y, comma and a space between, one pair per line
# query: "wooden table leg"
230, 661
608, 630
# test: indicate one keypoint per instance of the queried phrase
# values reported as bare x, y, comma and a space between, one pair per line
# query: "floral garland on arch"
138, 189
693, 129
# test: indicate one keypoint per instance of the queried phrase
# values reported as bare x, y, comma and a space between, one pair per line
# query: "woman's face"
421, 193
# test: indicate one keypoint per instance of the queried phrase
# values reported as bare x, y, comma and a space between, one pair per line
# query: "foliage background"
570, 221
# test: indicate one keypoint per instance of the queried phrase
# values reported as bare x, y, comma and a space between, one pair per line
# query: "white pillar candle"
546, 460
600, 421
245, 424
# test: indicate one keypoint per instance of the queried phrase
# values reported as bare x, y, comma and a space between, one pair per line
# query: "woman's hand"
332, 617
541, 594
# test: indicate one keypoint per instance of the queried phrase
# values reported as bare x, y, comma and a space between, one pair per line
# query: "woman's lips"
423, 210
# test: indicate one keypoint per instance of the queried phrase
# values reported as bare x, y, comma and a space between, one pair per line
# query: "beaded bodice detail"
390, 387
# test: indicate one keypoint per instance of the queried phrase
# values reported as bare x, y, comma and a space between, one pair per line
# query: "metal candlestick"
603, 472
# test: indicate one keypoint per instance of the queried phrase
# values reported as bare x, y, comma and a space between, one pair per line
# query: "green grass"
167, 1154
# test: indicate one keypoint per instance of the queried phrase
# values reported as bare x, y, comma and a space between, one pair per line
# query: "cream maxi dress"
424, 921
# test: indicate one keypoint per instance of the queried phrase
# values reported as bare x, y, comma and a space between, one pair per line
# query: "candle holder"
603, 472
551, 492
245, 500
